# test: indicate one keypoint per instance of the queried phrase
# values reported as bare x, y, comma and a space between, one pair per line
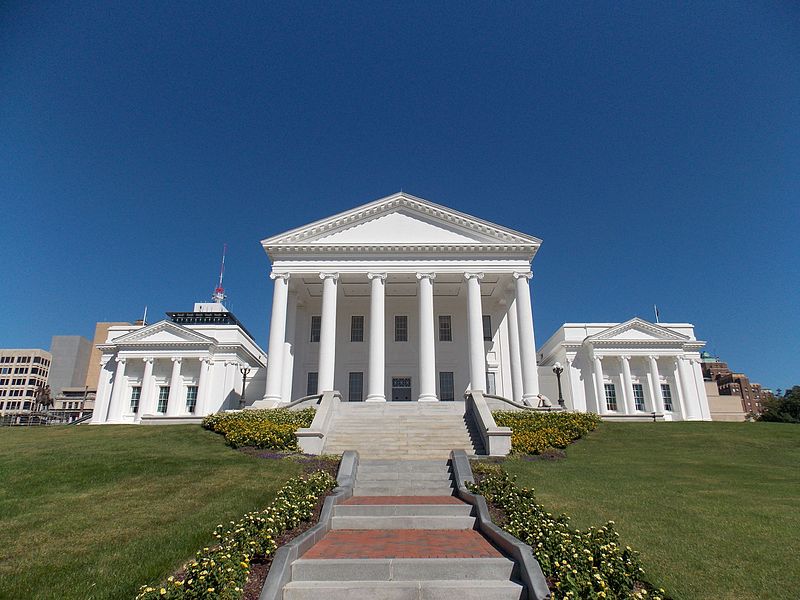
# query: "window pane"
356, 387
491, 386
311, 386
638, 396
191, 398
667, 394
136, 394
487, 328
446, 387
611, 396
445, 328
400, 328
316, 326
357, 328
163, 397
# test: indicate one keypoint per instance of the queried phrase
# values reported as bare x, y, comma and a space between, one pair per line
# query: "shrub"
535, 432
578, 564
273, 429
221, 571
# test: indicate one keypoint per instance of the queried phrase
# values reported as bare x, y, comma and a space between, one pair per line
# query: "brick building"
729, 383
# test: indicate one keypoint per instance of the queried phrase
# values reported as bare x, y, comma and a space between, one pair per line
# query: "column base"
376, 398
428, 398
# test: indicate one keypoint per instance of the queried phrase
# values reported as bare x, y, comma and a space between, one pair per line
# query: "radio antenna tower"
219, 291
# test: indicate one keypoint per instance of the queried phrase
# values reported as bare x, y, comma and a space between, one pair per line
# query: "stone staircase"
402, 430
403, 536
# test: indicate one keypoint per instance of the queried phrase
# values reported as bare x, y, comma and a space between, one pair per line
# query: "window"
491, 385
311, 385
487, 328
356, 387
21, 371
191, 398
5, 370
401, 389
136, 394
611, 396
357, 328
400, 328
447, 390
163, 398
316, 327
638, 396
6, 359
445, 328
667, 394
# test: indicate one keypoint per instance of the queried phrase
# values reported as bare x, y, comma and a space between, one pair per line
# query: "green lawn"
714, 508
94, 512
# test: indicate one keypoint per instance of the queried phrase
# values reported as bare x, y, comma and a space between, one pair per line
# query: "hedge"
535, 432
220, 572
273, 429
578, 564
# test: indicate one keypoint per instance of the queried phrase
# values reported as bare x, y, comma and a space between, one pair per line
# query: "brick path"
403, 543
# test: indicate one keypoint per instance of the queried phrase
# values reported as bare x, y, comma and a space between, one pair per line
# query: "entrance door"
401, 389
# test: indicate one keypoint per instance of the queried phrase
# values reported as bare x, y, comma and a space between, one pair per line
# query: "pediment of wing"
163, 332
400, 220
637, 330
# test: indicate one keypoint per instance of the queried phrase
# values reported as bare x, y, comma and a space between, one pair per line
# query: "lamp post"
244, 370
558, 370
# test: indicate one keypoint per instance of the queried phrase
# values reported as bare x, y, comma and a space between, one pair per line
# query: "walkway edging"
280, 571
530, 571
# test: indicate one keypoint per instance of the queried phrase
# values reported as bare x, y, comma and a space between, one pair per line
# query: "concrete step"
467, 589
405, 476
383, 510
402, 569
403, 490
403, 522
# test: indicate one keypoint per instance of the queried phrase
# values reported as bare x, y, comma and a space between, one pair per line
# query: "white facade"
363, 303
176, 371
628, 370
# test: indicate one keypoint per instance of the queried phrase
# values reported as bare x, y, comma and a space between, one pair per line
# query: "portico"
401, 293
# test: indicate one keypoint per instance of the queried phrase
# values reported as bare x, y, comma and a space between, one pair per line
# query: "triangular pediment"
163, 332
401, 220
637, 330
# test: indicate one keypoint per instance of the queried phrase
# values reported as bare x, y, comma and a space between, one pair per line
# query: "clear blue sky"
654, 147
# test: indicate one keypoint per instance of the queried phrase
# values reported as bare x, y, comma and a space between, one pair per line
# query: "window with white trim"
666, 393
491, 385
638, 396
163, 398
611, 396
445, 328
357, 328
136, 394
191, 398
446, 386
355, 388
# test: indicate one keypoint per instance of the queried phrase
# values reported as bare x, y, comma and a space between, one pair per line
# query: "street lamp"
558, 370
244, 370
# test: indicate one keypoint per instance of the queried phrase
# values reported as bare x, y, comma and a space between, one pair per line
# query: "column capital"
478, 276
381, 276
284, 276
430, 276
519, 274
652, 357
148, 359
177, 359
104, 360
333, 276
598, 357
120, 360
624, 357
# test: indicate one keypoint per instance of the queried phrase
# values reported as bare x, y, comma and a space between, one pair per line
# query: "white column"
202, 388
477, 355
513, 351
277, 336
427, 341
174, 403
690, 403
700, 389
377, 338
599, 382
327, 334
288, 349
103, 394
145, 398
627, 383
679, 391
118, 393
658, 398
527, 344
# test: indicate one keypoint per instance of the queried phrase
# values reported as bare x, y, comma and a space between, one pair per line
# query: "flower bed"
220, 572
535, 432
578, 564
273, 429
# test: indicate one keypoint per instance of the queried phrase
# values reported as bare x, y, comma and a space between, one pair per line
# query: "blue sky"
655, 148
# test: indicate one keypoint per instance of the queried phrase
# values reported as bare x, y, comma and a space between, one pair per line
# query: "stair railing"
525, 406
293, 403
312, 439
496, 440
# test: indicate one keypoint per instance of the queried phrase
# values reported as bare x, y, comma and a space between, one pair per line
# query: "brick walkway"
403, 543
373, 500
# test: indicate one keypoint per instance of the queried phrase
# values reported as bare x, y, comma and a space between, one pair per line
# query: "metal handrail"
301, 400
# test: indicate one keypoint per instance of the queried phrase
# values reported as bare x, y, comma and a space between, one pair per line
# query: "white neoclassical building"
631, 369
178, 370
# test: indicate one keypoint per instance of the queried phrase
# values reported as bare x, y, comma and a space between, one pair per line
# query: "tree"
783, 409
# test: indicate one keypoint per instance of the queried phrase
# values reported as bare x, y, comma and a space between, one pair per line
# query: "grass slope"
94, 512
714, 508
